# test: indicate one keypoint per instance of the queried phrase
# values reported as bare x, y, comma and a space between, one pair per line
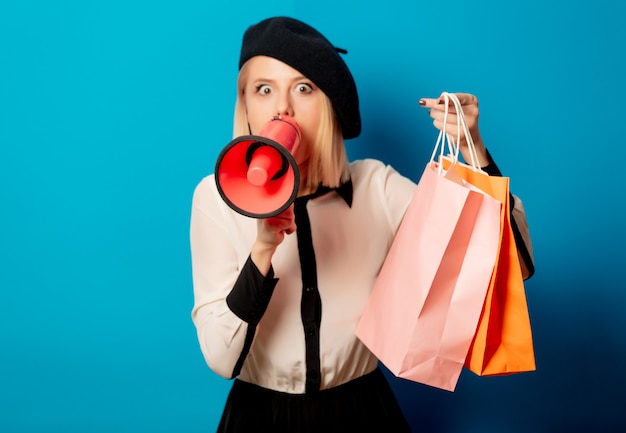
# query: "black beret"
305, 49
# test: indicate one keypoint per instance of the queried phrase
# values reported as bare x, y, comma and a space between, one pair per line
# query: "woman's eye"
304, 88
264, 89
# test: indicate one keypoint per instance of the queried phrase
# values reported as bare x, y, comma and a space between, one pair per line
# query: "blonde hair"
328, 164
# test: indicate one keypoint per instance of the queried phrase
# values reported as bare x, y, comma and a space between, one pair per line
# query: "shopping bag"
425, 305
503, 342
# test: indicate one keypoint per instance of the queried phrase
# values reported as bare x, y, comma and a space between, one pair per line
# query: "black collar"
344, 190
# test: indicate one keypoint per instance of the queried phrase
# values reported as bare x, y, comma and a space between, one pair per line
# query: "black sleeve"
491, 168
249, 299
251, 294
522, 248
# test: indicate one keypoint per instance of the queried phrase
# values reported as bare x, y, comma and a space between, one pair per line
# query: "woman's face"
275, 88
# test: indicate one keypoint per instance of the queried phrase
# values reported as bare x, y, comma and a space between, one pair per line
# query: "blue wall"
112, 111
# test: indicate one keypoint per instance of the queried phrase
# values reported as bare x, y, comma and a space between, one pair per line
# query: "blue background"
112, 111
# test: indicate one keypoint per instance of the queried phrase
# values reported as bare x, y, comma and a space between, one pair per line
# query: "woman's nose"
284, 106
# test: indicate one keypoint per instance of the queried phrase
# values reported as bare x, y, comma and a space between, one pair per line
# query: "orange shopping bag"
503, 343
425, 305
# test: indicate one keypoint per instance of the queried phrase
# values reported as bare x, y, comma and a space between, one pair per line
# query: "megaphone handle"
264, 163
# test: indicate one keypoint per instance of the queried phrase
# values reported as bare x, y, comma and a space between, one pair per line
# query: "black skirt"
364, 404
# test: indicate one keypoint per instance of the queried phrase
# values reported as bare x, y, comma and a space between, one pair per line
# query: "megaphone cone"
256, 175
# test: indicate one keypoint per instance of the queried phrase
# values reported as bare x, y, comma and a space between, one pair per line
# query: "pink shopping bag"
426, 303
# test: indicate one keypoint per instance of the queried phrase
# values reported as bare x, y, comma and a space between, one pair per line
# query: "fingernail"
422, 102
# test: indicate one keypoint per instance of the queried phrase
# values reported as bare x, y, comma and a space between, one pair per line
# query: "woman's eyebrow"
273, 80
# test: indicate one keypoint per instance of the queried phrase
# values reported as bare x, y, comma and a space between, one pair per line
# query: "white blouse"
278, 349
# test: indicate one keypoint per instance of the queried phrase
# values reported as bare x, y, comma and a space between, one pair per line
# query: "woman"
277, 300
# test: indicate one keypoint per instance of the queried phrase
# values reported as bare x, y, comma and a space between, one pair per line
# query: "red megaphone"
256, 175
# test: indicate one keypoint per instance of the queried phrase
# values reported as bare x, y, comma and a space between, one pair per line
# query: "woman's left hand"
469, 103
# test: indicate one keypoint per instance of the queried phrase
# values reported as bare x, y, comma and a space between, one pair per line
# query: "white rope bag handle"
447, 140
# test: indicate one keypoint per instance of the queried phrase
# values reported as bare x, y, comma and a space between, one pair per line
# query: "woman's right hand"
271, 233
